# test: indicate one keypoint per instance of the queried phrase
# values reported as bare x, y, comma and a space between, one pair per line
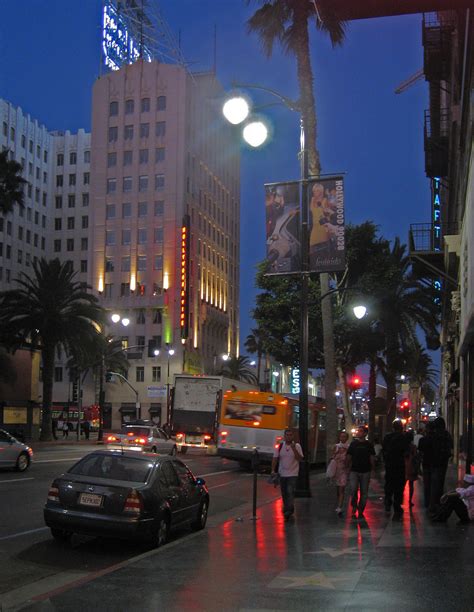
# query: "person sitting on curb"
461, 501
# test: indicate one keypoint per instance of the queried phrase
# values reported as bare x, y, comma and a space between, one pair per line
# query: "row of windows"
125, 290
29, 217
142, 210
23, 142
71, 200
143, 157
86, 179
30, 171
73, 158
127, 183
39, 196
145, 106
142, 236
58, 223
141, 263
70, 245
144, 131
6, 251
155, 372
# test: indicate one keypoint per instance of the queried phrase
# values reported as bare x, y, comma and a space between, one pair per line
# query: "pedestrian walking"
288, 456
425, 449
411, 465
65, 429
395, 447
341, 475
442, 445
360, 463
460, 501
54, 428
86, 427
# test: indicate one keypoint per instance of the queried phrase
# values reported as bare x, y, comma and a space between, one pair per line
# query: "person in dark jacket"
394, 448
442, 450
425, 448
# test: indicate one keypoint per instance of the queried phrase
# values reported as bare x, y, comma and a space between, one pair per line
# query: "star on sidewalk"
336, 552
301, 580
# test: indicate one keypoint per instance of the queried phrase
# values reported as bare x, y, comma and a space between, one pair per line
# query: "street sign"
156, 391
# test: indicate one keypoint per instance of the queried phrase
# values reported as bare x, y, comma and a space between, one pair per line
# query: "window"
140, 320
43, 243
160, 129
156, 289
129, 107
125, 289
38, 151
23, 141
159, 155
110, 211
12, 133
128, 132
113, 134
20, 256
158, 235
141, 236
35, 240
9, 252
72, 180
143, 183
59, 201
71, 201
30, 169
140, 341
28, 236
155, 374
70, 244
60, 159
159, 206
144, 130
140, 374
43, 201
157, 317
109, 264
83, 265
141, 264
45, 177
28, 259
126, 236
126, 210
84, 244
28, 216
58, 222
57, 246
5, 128
59, 180
127, 158
9, 224
111, 160
111, 185
30, 146
158, 264
70, 223
125, 267
85, 199
58, 374
142, 209
161, 103
37, 173
72, 158
37, 195
143, 156
85, 222
87, 157
127, 184
86, 179
145, 105
113, 109
43, 221
159, 182
110, 237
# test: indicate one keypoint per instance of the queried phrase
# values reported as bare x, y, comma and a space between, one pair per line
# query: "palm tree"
49, 310
11, 183
420, 374
254, 344
238, 368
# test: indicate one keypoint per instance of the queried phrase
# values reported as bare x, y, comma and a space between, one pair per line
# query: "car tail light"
278, 441
53, 494
224, 433
256, 423
130, 434
180, 435
207, 437
140, 441
29, 451
133, 503
112, 439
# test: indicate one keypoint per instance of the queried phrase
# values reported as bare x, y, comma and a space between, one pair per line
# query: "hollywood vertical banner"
327, 245
282, 210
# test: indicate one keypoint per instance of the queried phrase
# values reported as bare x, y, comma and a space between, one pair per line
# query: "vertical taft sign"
184, 279
327, 247
282, 208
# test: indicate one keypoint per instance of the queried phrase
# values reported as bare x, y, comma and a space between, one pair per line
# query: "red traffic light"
355, 382
405, 404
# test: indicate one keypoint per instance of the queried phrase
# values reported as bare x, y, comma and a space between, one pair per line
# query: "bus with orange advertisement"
252, 420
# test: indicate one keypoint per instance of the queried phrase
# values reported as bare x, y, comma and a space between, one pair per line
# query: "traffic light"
405, 404
109, 377
355, 382
74, 390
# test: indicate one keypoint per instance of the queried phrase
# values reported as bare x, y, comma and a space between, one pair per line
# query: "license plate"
193, 439
90, 499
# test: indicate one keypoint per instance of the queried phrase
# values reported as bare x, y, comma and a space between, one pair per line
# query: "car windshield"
113, 467
136, 431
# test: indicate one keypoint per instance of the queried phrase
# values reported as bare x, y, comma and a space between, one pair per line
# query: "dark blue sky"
50, 55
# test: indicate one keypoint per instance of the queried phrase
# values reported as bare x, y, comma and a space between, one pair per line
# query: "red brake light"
112, 439
224, 433
140, 440
133, 503
130, 433
53, 494
207, 437
180, 435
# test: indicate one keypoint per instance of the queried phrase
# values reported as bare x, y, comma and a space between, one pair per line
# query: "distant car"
126, 495
139, 437
13, 453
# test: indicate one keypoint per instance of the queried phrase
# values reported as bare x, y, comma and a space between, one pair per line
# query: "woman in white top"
340, 477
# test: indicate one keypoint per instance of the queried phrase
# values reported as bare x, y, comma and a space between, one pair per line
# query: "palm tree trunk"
372, 395
48, 377
345, 398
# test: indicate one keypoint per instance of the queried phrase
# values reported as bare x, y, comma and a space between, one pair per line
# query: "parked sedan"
139, 496
142, 438
13, 453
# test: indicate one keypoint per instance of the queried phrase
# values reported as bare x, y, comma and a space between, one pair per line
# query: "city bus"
257, 420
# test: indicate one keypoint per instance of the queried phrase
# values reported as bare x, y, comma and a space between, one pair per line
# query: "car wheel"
184, 450
60, 535
161, 532
153, 450
23, 462
201, 519
173, 452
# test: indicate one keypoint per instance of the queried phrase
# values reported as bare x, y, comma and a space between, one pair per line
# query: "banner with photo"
327, 248
282, 206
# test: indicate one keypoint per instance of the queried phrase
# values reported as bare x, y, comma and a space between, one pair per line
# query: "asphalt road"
30, 557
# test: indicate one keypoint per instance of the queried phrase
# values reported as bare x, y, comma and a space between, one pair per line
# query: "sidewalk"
315, 562
71, 440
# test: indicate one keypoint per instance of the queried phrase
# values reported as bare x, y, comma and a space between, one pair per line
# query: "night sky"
50, 57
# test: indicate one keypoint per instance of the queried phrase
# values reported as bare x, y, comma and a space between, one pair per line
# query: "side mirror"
200, 481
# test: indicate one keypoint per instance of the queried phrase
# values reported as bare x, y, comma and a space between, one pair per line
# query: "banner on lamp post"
327, 248
282, 210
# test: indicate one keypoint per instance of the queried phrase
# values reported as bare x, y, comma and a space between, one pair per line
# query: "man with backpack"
395, 447
360, 460
288, 456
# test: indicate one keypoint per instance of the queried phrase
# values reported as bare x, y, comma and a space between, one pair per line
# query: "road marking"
15, 480
221, 472
57, 460
22, 533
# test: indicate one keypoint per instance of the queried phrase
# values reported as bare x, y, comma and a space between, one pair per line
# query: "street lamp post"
170, 353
